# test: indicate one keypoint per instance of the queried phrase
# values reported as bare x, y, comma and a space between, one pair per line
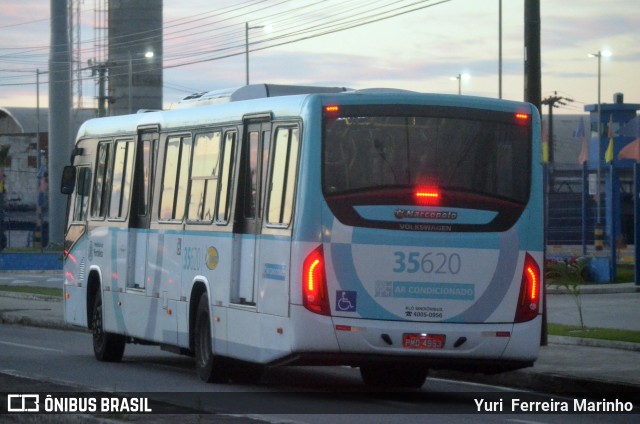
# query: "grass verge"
594, 333
47, 291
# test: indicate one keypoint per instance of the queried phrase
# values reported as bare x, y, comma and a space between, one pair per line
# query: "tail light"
314, 283
530, 289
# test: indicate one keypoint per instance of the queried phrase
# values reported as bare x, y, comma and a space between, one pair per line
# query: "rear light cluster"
530, 289
314, 283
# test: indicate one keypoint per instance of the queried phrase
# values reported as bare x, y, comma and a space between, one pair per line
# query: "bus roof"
254, 91
283, 101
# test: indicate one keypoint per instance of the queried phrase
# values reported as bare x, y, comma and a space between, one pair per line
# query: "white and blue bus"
387, 230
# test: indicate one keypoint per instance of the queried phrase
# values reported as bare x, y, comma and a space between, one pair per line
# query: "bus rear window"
488, 155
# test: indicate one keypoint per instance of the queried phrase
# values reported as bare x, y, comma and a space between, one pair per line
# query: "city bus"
393, 231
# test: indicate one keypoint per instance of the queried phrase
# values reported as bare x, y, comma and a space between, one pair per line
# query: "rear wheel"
210, 367
391, 375
107, 347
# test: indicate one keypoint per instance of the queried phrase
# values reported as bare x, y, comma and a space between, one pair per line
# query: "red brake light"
427, 195
522, 116
314, 283
529, 300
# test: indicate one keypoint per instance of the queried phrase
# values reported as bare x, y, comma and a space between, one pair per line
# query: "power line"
294, 25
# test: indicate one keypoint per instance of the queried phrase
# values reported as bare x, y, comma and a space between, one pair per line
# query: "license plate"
423, 341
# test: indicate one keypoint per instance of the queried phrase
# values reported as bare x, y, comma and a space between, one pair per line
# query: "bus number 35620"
428, 263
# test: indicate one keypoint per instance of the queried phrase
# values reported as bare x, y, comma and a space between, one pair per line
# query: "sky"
427, 44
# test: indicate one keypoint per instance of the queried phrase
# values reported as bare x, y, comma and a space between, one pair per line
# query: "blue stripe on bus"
501, 281
422, 290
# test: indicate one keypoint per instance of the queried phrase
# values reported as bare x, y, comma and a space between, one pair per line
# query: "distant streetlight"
599, 55
148, 54
500, 49
246, 42
460, 77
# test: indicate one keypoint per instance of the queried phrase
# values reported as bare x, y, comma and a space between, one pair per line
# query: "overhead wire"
292, 25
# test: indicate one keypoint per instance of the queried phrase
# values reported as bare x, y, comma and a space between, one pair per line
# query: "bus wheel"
386, 375
107, 347
210, 367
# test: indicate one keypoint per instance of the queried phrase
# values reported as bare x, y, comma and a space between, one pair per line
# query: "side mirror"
68, 180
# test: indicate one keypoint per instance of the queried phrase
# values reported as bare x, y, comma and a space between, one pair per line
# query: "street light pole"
500, 49
246, 44
598, 214
148, 54
246, 50
130, 82
460, 77
599, 129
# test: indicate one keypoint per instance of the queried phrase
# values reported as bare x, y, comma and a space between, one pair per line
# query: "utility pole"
532, 72
60, 140
553, 101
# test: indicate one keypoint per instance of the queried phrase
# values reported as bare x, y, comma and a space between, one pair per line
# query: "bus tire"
388, 375
107, 347
210, 367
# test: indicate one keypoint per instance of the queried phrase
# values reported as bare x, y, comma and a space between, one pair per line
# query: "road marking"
32, 347
525, 421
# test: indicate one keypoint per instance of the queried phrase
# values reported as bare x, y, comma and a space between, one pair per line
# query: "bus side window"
283, 176
122, 176
176, 178
204, 176
226, 175
83, 188
101, 184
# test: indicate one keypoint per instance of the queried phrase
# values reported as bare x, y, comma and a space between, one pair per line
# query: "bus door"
250, 207
140, 216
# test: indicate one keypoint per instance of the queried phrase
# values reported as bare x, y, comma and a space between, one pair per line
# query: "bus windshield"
489, 155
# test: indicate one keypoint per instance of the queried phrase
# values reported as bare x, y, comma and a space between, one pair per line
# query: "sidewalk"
565, 365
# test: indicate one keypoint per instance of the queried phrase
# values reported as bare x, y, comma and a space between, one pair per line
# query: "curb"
579, 341
30, 322
30, 296
12, 317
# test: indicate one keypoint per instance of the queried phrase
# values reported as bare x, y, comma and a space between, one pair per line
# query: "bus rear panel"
426, 243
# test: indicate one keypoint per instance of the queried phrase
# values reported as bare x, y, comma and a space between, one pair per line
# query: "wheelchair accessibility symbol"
346, 301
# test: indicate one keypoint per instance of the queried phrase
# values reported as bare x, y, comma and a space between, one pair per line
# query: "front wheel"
107, 347
210, 367
391, 375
